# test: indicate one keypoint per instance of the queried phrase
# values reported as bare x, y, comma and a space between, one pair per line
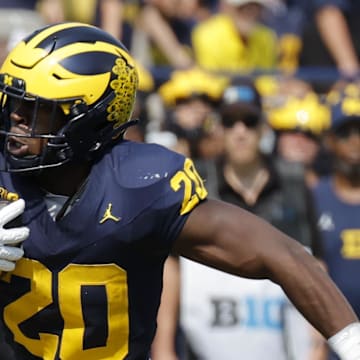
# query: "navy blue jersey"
340, 228
89, 284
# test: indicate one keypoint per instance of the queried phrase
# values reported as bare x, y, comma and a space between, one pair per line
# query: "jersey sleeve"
160, 188
183, 191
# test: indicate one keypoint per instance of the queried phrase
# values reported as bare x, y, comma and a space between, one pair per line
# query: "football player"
102, 213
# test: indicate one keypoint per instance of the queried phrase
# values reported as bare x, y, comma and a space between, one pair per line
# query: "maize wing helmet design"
80, 70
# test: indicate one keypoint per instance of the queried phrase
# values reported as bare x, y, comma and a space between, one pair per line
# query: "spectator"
299, 124
337, 201
215, 316
168, 343
234, 39
163, 30
191, 127
331, 38
287, 20
206, 8
190, 98
275, 89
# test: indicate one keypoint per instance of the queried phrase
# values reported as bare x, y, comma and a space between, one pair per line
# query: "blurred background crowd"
264, 96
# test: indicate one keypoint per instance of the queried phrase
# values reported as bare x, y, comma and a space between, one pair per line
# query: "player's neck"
64, 180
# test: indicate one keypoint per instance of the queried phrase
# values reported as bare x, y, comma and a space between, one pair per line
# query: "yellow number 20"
70, 281
193, 185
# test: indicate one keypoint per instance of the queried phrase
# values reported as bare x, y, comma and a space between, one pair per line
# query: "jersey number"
194, 189
70, 282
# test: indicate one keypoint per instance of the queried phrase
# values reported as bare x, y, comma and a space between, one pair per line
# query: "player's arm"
230, 239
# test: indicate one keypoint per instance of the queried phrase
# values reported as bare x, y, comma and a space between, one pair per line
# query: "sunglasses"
250, 121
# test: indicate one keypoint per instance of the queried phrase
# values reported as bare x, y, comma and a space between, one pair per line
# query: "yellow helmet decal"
124, 99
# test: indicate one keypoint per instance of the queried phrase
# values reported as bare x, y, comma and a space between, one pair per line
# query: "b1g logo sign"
250, 312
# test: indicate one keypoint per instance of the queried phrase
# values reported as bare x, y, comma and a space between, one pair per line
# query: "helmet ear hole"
78, 108
78, 140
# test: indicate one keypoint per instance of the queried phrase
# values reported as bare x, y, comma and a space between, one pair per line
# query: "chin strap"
71, 200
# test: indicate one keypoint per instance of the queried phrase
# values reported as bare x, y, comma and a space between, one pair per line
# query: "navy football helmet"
78, 70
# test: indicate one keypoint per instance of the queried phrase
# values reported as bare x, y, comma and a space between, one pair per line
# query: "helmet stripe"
58, 36
89, 63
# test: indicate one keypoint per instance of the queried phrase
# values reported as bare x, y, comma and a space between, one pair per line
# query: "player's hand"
9, 238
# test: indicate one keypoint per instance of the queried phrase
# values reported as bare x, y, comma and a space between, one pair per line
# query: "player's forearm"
236, 241
312, 291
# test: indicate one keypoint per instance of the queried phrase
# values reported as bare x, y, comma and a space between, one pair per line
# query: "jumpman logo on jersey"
108, 215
